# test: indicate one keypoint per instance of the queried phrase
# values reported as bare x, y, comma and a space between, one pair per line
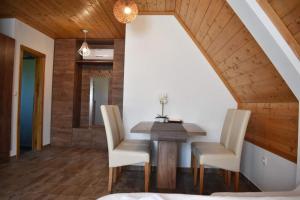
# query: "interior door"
7, 45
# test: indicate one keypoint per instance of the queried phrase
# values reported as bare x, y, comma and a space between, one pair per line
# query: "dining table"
168, 136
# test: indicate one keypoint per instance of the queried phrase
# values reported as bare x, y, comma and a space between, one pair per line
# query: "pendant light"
125, 11
84, 49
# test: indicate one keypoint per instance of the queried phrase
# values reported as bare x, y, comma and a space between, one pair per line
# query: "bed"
284, 195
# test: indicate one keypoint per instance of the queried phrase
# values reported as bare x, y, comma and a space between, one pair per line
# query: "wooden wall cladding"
6, 82
118, 73
63, 92
274, 126
70, 104
246, 71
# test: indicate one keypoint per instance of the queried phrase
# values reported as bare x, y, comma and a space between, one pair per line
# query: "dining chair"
121, 130
120, 152
225, 157
224, 140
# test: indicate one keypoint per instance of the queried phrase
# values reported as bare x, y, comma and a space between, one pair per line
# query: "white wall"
281, 172
7, 27
161, 57
268, 171
29, 37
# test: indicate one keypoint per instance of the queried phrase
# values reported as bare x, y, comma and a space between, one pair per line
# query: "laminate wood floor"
78, 173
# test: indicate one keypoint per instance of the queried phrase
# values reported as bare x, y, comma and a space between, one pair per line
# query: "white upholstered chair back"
227, 126
111, 126
238, 130
119, 121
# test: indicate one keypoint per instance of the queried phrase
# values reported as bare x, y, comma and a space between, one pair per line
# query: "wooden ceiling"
215, 28
234, 53
289, 12
156, 6
66, 18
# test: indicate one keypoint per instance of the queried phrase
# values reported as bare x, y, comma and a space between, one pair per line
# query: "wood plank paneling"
6, 81
66, 18
274, 126
156, 6
228, 43
246, 71
285, 15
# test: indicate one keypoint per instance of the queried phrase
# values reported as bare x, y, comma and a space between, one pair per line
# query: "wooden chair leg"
110, 179
201, 171
237, 181
228, 178
195, 171
147, 176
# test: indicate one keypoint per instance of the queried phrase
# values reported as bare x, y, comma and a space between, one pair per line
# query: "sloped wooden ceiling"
156, 6
247, 72
220, 35
289, 12
285, 15
234, 52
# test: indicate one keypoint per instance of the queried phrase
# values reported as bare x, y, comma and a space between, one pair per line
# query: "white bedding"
155, 196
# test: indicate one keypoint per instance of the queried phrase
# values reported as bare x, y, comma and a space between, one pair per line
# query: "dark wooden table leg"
167, 163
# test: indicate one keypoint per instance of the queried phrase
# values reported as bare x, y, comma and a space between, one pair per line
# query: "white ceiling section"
273, 44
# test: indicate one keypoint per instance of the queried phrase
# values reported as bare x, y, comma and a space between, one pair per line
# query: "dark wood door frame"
38, 109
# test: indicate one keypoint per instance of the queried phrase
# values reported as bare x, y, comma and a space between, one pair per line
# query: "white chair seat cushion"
216, 155
141, 142
129, 154
199, 145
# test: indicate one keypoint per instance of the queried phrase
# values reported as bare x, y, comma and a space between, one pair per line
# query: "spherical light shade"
125, 11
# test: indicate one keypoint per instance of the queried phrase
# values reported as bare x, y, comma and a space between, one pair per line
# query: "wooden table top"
168, 131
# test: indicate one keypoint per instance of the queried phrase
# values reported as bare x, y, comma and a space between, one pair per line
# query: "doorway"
99, 92
31, 93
